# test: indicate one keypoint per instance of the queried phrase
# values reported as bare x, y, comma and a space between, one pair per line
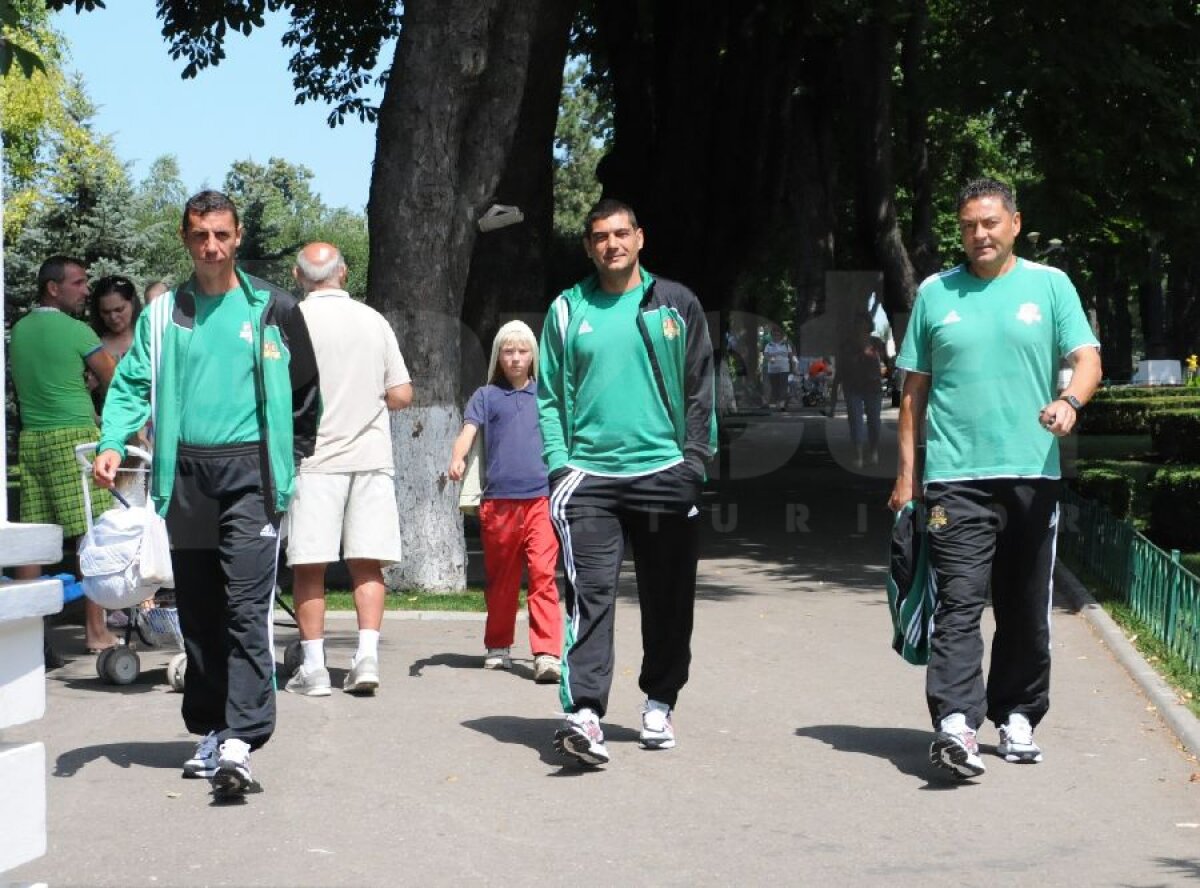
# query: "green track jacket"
288, 393
672, 325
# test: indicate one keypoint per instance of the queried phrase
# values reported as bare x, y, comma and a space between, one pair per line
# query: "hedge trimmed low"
1175, 508
1130, 416
1111, 489
1135, 392
1176, 435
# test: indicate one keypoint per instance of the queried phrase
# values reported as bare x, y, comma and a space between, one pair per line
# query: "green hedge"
1176, 435
1175, 508
1111, 489
1131, 392
1130, 416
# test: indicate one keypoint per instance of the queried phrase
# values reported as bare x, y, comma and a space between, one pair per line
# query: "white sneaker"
1016, 741
547, 669
581, 738
232, 778
310, 682
657, 731
363, 677
498, 658
956, 748
203, 762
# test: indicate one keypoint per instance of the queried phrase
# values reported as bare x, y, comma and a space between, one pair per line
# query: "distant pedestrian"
345, 500
628, 419
779, 359
861, 360
514, 514
982, 353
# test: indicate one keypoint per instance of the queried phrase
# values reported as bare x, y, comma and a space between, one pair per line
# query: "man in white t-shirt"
345, 496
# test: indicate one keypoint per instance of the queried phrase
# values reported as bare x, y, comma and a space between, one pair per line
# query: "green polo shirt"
992, 349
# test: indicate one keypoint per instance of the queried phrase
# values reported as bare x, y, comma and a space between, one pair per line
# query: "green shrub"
1111, 489
1129, 416
1137, 392
1175, 508
1176, 435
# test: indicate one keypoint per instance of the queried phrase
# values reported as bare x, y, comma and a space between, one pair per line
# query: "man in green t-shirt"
982, 354
50, 349
626, 409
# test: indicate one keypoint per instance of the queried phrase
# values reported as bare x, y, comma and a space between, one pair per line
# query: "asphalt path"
802, 756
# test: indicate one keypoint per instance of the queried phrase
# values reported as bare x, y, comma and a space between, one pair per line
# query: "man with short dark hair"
982, 354
226, 361
50, 349
628, 421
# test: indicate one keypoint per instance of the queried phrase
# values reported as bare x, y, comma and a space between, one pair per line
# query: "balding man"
345, 497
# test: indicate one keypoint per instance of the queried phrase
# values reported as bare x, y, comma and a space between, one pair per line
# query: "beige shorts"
355, 511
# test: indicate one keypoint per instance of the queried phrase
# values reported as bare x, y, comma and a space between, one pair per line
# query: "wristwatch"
1072, 400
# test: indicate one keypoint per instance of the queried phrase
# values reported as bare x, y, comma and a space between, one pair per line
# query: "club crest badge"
938, 518
271, 351
670, 327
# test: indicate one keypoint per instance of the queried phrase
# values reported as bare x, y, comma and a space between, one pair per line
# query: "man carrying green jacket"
626, 409
225, 364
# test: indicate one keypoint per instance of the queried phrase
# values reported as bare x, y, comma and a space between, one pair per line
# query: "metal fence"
1126, 566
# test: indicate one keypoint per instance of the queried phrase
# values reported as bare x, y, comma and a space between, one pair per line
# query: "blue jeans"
856, 405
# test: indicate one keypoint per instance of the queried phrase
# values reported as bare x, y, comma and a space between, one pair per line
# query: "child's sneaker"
580, 738
1016, 741
203, 762
547, 669
657, 731
956, 748
498, 658
232, 779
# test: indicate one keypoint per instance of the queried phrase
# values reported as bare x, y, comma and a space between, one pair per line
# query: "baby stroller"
154, 621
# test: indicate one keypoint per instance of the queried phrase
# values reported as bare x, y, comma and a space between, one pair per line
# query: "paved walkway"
801, 757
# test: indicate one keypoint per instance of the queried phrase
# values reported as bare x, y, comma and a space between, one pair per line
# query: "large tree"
445, 129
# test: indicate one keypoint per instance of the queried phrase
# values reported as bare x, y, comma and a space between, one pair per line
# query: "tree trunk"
869, 66
1153, 303
508, 266
1112, 313
444, 132
922, 241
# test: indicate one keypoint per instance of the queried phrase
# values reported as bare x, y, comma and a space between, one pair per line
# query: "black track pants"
225, 545
591, 516
998, 533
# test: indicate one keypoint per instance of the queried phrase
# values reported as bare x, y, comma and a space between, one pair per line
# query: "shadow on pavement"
454, 661
538, 734
906, 748
144, 755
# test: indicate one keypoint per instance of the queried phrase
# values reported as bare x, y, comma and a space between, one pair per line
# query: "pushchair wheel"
102, 660
176, 670
293, 656
122, 666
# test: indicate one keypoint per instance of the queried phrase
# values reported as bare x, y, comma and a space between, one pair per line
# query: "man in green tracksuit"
627, 417
225, 364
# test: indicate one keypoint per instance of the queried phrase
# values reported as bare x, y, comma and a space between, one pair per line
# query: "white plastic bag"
109, 559
155, 559
474, 478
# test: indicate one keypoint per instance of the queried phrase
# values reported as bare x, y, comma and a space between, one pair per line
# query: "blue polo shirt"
508, 419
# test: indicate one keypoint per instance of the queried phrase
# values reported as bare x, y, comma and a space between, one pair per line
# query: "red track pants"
518, 534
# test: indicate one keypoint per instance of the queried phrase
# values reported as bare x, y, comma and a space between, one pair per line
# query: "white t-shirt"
359, 359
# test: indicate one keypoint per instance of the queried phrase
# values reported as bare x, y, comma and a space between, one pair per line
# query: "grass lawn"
469, 600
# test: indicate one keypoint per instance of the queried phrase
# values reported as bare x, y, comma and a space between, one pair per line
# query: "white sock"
368, 644
314, 653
